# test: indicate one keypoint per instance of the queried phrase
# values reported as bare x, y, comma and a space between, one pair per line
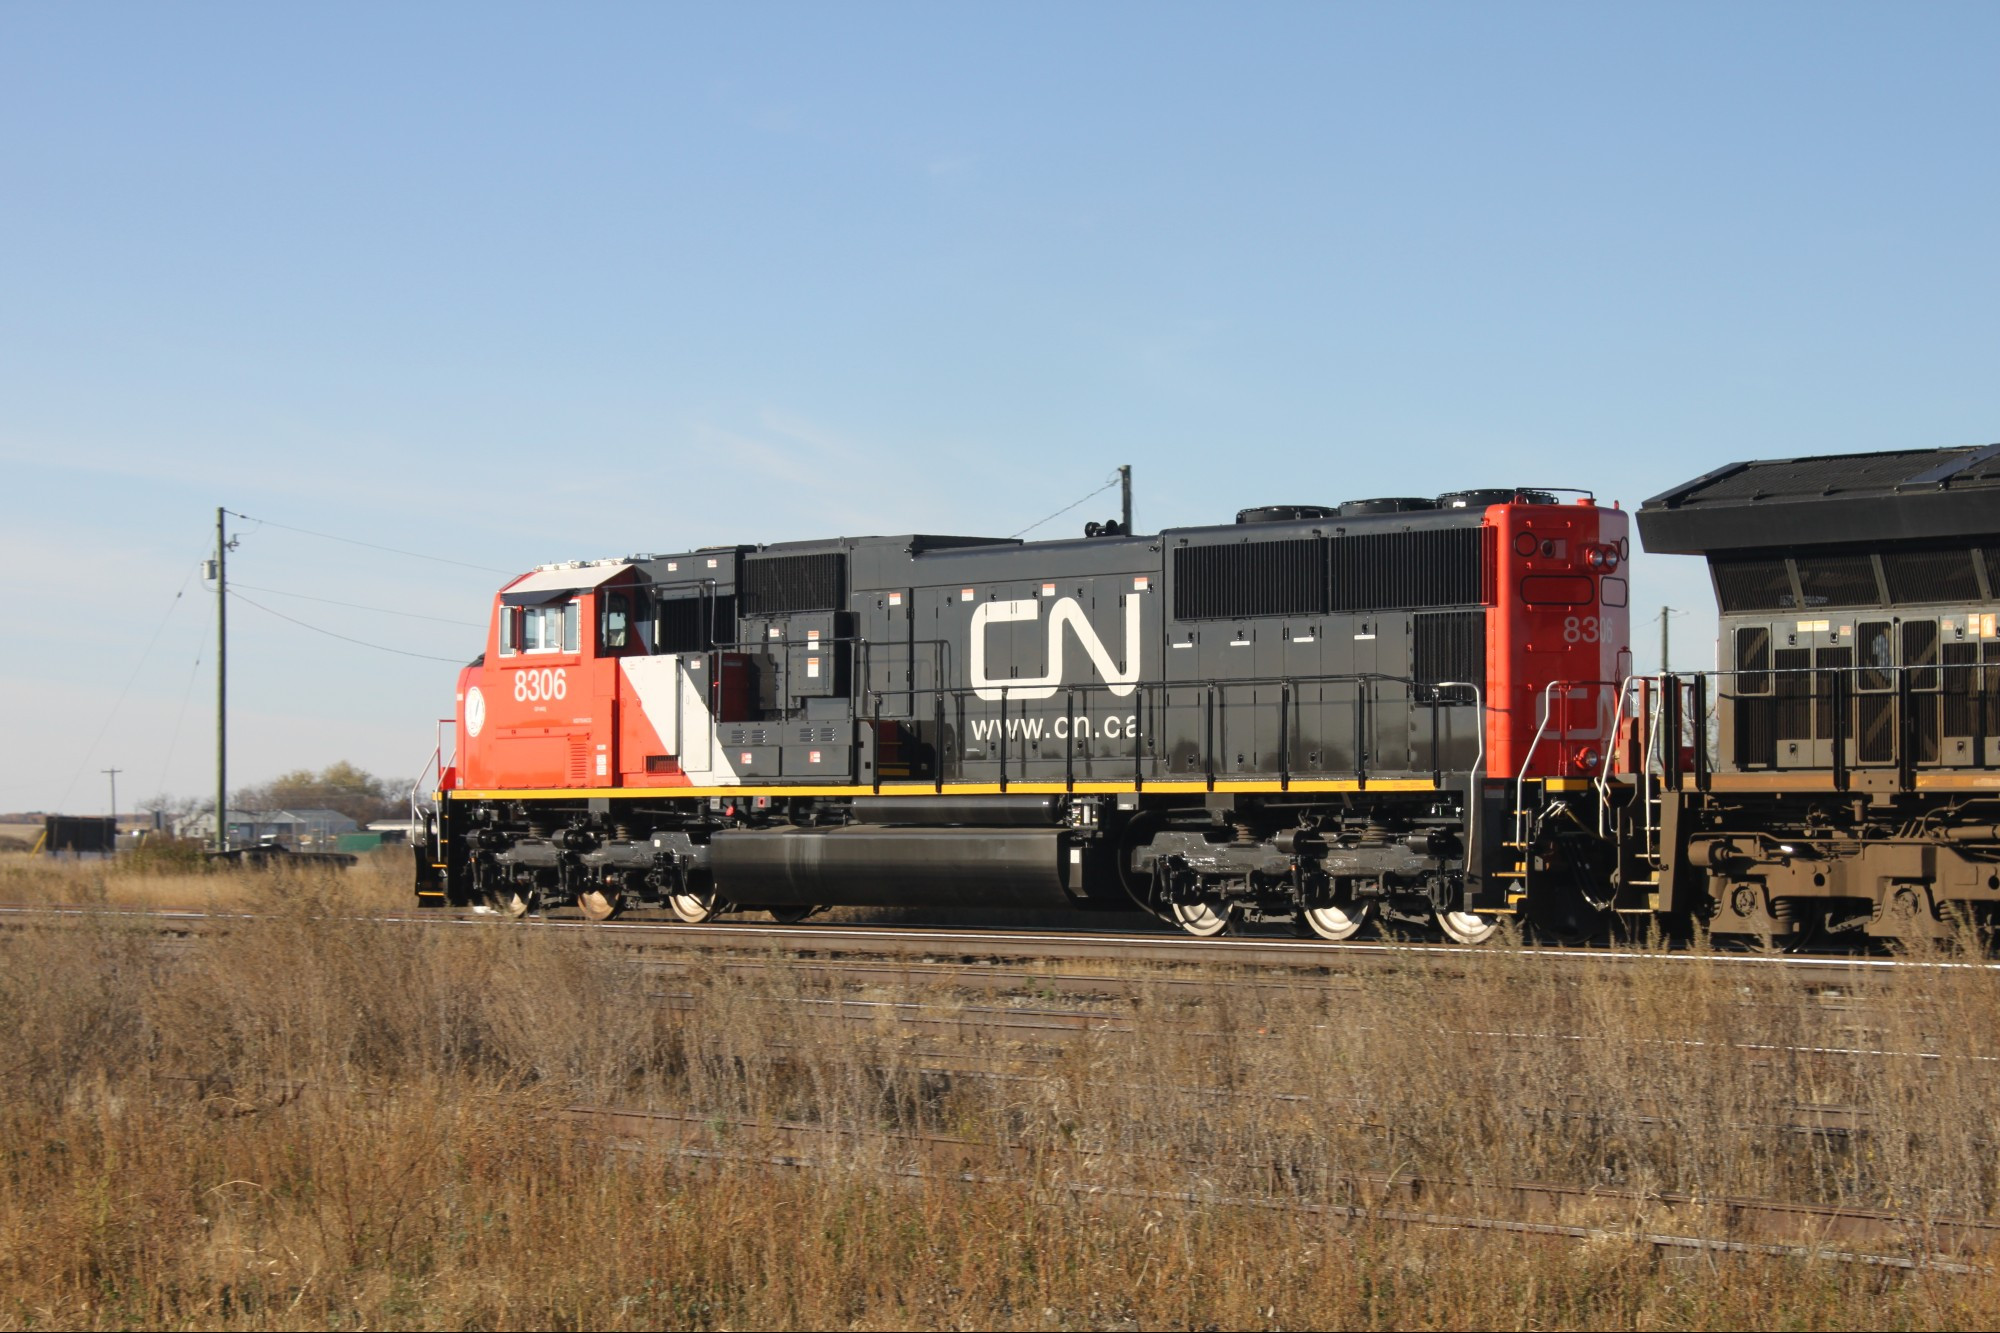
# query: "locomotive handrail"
1603, 780
1647, 783
1528, 759
1959, 697
1831, 693
433, 764
418, 815
1145, 699
867, 700
1475, 785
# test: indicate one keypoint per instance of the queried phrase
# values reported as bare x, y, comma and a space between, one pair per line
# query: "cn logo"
1063, 611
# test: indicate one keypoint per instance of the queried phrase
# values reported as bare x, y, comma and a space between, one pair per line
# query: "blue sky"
519, 283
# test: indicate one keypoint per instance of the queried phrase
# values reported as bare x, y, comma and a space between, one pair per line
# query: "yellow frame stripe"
930, 789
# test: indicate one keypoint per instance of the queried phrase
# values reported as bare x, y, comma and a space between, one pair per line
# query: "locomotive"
1853, 789
1315, 714
1418, 711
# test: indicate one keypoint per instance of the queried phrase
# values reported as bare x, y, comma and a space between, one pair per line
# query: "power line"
112, 713
302, 624
373, 546
1066, 508
166, 766
379, 610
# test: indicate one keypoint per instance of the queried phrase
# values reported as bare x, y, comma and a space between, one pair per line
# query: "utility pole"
1665, 612
221, 682
1125, 498
114, 772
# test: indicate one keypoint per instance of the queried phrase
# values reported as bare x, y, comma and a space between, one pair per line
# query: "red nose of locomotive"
1559, 637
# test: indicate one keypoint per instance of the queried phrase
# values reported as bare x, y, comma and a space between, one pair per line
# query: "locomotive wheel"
509, 903
1467, 927
600, 904
1334, 922
695, 907
790, 916
1204, 920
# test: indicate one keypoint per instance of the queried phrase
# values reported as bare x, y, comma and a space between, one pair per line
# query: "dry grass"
307, 1122
381, 882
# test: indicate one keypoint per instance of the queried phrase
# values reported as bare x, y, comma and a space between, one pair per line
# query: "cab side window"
549, 629
510, 630
624, 622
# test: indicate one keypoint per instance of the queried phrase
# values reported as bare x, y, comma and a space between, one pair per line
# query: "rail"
433, 765
1474, 783
1842, 720
1838, 720
1150, 702
1152, 699
1556, 700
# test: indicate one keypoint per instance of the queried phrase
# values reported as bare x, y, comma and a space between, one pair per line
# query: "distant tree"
170, 811
354, 792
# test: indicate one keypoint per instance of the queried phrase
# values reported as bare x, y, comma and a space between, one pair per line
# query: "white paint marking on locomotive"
1064, 611
475, 711
677, 709
1035, 728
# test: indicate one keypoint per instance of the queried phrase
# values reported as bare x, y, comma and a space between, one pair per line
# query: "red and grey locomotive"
1315, 714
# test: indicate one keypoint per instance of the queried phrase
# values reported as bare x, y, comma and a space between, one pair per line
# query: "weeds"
309, 1120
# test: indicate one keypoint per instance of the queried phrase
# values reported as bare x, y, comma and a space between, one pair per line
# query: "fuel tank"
873, 866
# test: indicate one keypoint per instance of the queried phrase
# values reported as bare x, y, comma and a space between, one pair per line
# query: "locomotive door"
1968, 713
890, 666
1387, 695
939, 626
1795, 737
1242, 738
1923, 688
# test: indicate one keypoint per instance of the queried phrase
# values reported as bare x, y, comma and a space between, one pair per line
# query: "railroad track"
1669, 1221
992, 961
975, 1005
989, 946
1665, 1220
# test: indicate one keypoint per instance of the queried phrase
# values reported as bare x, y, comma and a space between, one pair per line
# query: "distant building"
79, 833
294, 830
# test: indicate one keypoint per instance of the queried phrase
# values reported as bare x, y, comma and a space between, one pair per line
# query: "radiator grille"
1878, 655
1449, 645
1275, 578
1753, 659
776, 584
1839, 580
1380, 571
683, 624
1875, 728
1753, 585
1961, 689
1920, 653
1931, 576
